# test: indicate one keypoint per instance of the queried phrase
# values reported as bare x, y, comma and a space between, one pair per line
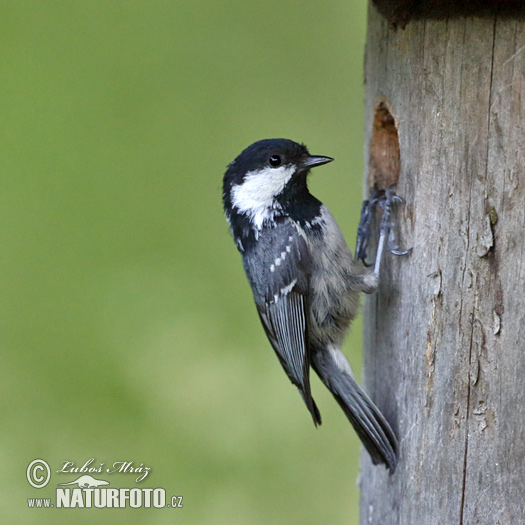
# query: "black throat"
295, 202
298, 203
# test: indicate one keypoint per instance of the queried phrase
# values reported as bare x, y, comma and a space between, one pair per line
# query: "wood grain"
445, 334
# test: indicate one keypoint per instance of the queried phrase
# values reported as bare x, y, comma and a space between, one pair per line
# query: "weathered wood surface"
445, 334
400, 12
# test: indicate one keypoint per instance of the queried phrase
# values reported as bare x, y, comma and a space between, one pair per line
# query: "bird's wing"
285, 324
280, 286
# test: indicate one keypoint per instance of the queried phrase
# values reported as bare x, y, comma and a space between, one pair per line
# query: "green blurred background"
127, 329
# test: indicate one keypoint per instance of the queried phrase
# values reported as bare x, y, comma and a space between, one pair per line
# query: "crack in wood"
475, 305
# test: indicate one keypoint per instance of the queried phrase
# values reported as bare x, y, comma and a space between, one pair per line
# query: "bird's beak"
314, 160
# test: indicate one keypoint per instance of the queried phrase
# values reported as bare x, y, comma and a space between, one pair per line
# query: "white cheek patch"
256, 195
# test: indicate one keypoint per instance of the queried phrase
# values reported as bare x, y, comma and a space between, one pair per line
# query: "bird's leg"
385, 199
386, 232
363, 230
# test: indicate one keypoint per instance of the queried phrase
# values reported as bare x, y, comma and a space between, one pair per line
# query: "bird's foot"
386, 199
363, 230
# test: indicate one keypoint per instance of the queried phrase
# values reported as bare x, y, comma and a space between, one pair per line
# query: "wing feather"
285, 323
278, 267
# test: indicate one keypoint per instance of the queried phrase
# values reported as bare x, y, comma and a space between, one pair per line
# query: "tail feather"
370, 425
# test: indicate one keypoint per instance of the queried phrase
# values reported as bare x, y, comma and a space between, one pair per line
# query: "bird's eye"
274, 161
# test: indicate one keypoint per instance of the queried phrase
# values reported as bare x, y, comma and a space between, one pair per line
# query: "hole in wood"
384, 162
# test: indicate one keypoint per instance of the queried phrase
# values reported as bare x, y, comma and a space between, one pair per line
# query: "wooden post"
445, 335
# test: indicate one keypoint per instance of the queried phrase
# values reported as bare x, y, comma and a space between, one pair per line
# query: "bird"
305, 281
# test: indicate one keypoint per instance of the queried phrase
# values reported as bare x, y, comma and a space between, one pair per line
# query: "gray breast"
334, 292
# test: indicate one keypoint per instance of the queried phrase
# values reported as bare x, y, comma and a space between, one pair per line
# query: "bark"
445, 335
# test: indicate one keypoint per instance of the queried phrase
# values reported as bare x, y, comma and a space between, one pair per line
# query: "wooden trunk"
445, 334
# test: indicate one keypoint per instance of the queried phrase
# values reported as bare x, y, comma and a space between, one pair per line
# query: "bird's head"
265, 176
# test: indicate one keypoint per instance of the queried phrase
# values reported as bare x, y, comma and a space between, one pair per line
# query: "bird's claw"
399, 252
385, 199
387, 225
363, 230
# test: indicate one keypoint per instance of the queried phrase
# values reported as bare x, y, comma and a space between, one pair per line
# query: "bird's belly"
333, 306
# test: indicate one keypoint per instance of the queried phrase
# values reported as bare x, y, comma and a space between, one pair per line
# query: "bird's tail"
371, 426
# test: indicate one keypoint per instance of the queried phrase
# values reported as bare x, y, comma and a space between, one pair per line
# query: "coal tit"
304, 280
